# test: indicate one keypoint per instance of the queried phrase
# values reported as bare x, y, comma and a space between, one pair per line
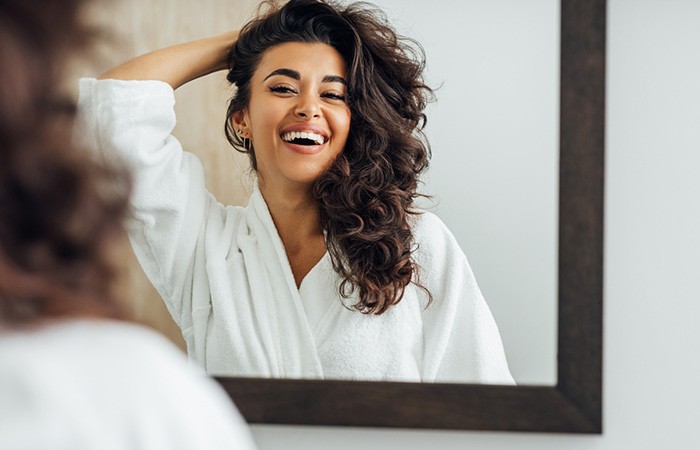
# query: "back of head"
58, 218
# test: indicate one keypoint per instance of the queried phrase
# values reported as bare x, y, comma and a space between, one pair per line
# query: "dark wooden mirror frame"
574, 405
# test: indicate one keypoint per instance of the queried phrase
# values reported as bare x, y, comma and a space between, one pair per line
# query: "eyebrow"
334, 79
297, 76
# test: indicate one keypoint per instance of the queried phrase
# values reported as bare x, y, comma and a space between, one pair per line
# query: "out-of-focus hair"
60, 211
365, 197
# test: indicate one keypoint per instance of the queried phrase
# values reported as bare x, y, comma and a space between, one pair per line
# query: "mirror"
573, 404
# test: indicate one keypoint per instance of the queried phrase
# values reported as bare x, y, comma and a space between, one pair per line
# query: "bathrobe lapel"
283, 315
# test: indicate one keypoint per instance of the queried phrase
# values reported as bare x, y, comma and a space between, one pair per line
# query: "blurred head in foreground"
59, 210
79, 384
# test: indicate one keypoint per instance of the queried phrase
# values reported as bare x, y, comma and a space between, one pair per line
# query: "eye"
282, 89
333, 96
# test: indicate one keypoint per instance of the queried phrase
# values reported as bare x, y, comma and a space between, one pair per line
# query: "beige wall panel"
139, 26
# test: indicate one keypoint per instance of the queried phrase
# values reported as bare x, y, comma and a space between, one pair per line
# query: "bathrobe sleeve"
129, 123
461, 340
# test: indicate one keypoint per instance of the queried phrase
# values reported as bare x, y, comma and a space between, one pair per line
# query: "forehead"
309, 59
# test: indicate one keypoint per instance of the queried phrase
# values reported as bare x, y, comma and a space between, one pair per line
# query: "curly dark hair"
365, 198
60, 212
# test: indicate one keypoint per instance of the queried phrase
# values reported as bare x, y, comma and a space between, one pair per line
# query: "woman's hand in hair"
178, 64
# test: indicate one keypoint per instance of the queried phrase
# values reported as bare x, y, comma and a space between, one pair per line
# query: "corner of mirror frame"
574, 405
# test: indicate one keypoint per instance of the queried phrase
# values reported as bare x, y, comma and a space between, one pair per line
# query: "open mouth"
307, 138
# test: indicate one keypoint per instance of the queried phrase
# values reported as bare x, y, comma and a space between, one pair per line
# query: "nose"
308, 107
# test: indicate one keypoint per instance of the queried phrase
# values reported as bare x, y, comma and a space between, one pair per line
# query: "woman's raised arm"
178, 64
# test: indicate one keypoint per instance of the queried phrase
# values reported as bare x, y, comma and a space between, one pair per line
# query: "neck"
295, 214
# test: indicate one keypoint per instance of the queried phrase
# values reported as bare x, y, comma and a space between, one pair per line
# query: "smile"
303, 138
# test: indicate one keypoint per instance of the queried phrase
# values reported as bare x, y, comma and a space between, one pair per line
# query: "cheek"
264, 117
343, 125
262, 134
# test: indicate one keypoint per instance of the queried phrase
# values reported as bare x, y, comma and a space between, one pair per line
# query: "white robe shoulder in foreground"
99, 384
224, 274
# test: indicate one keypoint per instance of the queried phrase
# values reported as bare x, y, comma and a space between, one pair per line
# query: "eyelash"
282, 89
288, 90
334, 96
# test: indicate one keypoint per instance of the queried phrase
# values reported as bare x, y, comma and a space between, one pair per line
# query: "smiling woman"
329, 272
304, 92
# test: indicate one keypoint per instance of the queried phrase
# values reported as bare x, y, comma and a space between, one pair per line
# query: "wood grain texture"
581, 181
406, 405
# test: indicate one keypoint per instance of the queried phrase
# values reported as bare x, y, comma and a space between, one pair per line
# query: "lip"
305, 149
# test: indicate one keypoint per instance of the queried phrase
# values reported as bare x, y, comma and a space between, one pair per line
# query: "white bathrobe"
224, 274
87, 384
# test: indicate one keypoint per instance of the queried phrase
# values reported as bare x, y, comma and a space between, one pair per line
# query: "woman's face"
297, 118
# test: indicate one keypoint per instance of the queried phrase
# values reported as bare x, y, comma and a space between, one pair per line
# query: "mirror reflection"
305, 281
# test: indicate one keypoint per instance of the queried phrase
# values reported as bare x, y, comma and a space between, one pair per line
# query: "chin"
307, 173
305, 179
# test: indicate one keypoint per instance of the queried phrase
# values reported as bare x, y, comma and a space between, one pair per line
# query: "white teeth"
303, 135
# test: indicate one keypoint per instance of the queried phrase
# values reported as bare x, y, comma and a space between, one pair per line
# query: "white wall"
494, 171
652, 260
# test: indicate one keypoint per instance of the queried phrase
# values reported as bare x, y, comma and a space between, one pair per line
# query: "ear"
240, 121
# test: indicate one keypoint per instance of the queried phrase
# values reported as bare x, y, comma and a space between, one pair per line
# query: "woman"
73, 373
328, 273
